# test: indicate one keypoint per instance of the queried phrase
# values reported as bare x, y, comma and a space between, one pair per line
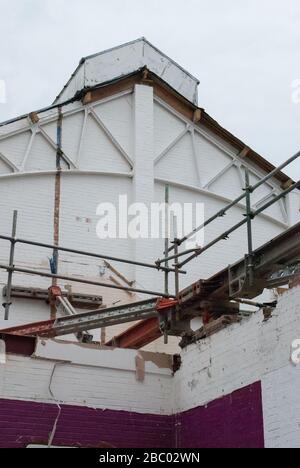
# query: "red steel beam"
141, 334
30, 329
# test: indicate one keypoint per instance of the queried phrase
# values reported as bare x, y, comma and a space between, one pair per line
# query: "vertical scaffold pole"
7, 304
176, 250
248, 190
167, 228
167, 200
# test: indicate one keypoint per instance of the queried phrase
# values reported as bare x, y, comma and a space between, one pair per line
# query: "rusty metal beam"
137, 336
213, 295
80, 301
88, 320
283, 250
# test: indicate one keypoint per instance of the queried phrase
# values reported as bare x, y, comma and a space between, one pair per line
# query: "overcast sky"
246, 55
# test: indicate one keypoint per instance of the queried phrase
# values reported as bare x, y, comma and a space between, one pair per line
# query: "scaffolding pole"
224, 210
167, 229
198, 251
82, 281
7, 304
249, 216
226, 234
87, 254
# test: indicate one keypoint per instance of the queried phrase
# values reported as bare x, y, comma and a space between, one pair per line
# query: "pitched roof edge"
140, 39
142, 43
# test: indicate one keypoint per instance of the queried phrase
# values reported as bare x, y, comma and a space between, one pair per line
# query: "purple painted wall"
23, 423
234, 421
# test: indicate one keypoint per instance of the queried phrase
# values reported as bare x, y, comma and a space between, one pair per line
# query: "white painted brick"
100, 387
243, 354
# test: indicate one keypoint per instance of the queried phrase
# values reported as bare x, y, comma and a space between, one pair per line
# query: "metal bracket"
80, 301
241, 282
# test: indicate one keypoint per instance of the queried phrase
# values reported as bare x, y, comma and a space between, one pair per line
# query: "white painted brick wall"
110, 384
243, 354
281, 405
33, 197
238, 356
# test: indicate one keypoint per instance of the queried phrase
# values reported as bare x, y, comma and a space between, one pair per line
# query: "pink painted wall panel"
23, 423
234, 421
